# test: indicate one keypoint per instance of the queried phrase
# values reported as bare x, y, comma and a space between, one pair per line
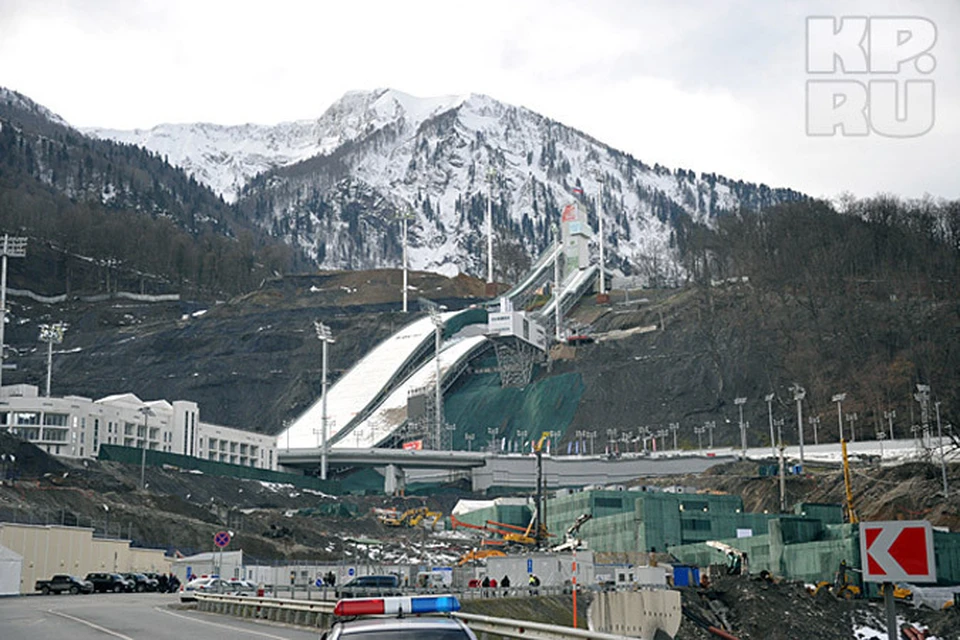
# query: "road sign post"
221, 539
897, 551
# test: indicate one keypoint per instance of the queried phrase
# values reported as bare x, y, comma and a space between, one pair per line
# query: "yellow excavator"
412, 518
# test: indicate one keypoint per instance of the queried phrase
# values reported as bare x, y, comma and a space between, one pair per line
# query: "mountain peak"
18, 100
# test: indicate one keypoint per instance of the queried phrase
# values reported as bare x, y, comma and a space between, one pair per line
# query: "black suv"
104, 582
141, 582
363, 586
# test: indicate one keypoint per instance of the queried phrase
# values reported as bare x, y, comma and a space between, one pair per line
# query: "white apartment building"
75, 427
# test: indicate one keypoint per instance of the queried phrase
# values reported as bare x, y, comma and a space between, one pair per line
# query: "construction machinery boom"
851, 512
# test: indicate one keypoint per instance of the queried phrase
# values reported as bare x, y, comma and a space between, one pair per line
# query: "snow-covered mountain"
335, 186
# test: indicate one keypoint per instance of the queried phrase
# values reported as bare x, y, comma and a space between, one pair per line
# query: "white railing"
319, 613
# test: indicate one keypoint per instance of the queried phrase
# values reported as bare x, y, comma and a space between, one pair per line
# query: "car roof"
385, 623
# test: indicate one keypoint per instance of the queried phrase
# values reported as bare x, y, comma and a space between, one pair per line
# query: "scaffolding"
515, 361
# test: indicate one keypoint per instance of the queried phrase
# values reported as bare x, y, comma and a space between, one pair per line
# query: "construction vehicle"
479, 554
410, 517
571, 542
737, 561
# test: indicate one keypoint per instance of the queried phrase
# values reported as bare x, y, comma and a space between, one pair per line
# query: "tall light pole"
743, 430
434, 310
491, 176
468, 438
769, 400
603, 262
51, 334
890, 415
146, 411
592, 435
556, 283
923, 397
814, 423
839, 398
710, 425
779, 423
11, 248
799, 393
325, 335
699, 431
404, 217
943, 464
522, 434
852, 420
674, 426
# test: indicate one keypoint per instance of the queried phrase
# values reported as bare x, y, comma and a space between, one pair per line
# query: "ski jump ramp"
362, 385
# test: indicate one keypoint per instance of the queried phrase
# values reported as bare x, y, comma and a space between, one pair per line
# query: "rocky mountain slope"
334, 186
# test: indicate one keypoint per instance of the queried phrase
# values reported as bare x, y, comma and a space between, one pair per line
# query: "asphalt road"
127, 617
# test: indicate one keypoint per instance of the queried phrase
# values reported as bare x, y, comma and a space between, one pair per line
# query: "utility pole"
11, 248
325, 335
51, 334
675, 426
699, 431
769, 400
839, 398
743, 430
799, 393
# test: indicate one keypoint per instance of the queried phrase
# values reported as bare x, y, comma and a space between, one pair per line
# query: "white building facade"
75, 427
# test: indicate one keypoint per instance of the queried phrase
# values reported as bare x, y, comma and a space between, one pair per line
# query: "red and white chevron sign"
897, 551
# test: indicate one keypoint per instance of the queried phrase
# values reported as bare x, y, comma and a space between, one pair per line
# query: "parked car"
240, 587
109, 582
63, 583
141, 582
362, 586
203, 585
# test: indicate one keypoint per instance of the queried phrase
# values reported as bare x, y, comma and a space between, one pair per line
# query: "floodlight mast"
51, 334
769, 400
11, 248
434, 310
491, 176
556, 284
799, 393
325, 335
404, 217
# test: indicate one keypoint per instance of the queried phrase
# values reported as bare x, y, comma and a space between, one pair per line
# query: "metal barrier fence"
319, 614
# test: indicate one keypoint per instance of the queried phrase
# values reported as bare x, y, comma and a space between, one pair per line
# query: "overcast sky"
712, 85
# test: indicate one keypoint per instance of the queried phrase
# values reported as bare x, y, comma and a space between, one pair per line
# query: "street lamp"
769, 400
675, 426
890, 415
469, 436
852, 419
611, 437
491, 440
799, 393
814, 422
699, 431
146, 411
839, 398
880, 436
51, 334
779, 423
710, 425
592, 435
11, 248
522, 434
743, 431
325, 335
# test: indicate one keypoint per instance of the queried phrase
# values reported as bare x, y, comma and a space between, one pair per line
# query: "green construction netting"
479, 403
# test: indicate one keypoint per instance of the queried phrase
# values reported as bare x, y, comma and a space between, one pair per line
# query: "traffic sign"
221, 539
351, 571
900, 550
529, 565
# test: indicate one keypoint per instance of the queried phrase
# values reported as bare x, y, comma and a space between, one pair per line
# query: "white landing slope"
359, 386
392, 412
